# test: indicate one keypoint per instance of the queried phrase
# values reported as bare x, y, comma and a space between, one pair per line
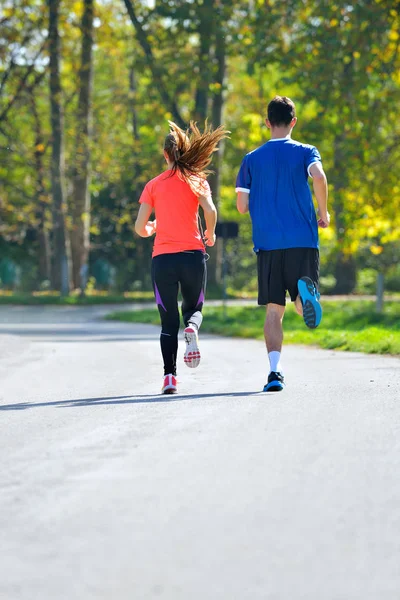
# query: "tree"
347, 55
80, 199
60, 272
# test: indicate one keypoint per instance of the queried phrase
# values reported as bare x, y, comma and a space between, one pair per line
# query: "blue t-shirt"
280, 203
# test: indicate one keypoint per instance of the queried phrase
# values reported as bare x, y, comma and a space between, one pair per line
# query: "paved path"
110, 491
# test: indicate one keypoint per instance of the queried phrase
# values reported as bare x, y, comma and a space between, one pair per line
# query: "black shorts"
280, 270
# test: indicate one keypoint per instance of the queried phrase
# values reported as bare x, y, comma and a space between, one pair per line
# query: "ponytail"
191, 151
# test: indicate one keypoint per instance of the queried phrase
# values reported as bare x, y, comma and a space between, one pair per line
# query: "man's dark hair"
281, 111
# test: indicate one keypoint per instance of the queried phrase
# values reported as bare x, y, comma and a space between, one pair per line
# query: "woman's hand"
151, 227
209, 239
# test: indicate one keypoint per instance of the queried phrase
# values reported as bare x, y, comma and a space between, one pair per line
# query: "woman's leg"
193, 285
192, 280
165, 284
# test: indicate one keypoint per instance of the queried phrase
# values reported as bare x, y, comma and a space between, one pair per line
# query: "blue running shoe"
309, 296
276, 382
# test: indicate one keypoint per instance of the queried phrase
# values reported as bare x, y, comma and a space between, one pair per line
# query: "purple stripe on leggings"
201, 298
158, 298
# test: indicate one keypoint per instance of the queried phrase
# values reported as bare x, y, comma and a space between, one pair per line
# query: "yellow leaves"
391, 236
334, 23
77, 8
40, 148
95, 230
356, 54
215, 88
376, 250
115, 51
393, 35
350, 247
347, 60
254, 123
327, 234
125, 219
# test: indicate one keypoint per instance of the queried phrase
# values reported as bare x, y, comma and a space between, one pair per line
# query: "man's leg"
298, 306
301, 279
272, 293
273, 333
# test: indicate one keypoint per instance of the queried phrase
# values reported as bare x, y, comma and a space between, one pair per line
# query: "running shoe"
275, 383
309, 296
192, 352
169, 385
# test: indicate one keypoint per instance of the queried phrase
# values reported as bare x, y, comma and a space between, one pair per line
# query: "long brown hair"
191, 151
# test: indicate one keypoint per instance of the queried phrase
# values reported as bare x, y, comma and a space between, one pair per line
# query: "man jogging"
272, 185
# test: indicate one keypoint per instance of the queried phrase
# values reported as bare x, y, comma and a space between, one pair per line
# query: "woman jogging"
179, 250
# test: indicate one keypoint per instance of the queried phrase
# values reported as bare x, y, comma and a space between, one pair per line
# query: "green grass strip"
354, 325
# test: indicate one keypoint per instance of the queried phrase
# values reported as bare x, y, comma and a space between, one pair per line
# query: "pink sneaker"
192, 352
169, 386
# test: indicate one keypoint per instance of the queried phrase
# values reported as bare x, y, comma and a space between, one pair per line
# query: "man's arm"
210, 216
143, 226
242, 202
320, 186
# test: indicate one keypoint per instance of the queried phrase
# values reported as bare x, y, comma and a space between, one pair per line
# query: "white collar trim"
280, 139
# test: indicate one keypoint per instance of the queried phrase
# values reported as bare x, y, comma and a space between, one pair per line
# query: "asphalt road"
110, 491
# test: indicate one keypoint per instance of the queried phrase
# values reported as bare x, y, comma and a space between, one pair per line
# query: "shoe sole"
312, 310
273, 387
169, 390
192, 352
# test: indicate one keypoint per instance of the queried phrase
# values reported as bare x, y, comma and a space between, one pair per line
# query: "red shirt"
176, 206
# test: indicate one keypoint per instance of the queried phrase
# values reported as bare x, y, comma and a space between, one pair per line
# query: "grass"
92, 297
350, 325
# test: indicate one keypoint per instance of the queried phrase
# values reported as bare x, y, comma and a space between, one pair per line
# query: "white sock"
275, 361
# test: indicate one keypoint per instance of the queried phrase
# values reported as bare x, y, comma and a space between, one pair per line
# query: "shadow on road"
123, 400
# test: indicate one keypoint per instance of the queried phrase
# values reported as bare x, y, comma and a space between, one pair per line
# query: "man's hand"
209, 239
324, 220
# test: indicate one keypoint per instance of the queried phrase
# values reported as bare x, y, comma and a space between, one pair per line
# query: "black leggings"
168, 271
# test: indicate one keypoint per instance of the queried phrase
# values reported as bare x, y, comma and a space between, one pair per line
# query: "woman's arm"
143, 226
210, 215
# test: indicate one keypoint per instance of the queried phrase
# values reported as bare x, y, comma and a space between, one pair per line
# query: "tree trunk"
217, 110
205, 31
345, 274
215, 262
345, 268
60, 267
80, 204
133, 105
42, 200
